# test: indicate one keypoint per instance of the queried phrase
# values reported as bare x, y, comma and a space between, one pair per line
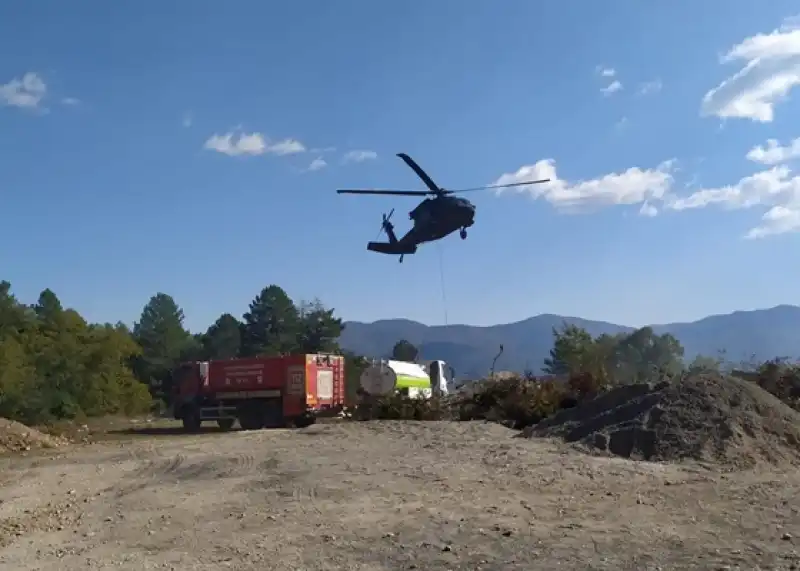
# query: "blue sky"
118, 181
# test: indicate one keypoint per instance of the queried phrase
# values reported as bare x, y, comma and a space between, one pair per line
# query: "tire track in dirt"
305, 497
182, 468
150, 473
158, 468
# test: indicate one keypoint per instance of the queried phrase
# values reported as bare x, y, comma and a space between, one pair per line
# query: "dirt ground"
384, 496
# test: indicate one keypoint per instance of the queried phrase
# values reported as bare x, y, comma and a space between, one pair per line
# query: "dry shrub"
780, 379
586, 385
515, 401
401, 407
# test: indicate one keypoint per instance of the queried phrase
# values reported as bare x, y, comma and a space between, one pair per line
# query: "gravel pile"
706, 417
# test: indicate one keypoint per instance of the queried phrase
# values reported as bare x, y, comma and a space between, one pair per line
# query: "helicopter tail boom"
391, 248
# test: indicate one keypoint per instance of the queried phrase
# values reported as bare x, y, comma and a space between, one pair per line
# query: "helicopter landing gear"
401, 258
463, 233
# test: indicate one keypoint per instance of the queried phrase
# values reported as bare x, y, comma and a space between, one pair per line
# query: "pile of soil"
706, 417
16, 437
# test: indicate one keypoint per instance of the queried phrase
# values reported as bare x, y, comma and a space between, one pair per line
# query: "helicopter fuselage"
435, 218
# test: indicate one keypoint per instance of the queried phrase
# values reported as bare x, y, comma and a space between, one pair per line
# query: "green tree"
354, 365
223, 340
108, 385
55, 365
48, 308
704, 364
15, 318
16, 379
643, 354
572, 350
271, 324
58, 350
163, 340
404, 350
319, 329
193, 348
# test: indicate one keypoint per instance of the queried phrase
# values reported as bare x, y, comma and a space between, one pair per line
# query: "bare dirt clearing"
385, 495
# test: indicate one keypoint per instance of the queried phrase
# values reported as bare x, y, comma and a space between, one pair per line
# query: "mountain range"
742, 335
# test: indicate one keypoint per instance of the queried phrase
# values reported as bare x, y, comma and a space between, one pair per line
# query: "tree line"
621, 359
55, 365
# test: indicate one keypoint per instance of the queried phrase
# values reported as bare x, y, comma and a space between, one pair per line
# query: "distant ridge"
761, 334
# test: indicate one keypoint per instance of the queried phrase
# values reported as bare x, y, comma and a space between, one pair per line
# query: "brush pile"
514, 401
16, 437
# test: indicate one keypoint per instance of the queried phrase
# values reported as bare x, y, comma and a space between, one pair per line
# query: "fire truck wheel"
304, 421
272, 414
251, 417
191, 420
225, 423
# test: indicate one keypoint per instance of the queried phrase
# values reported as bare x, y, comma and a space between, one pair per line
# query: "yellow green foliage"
55, 365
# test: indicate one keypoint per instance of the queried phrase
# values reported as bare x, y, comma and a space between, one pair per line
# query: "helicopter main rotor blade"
491, 186
420, 173
385, 192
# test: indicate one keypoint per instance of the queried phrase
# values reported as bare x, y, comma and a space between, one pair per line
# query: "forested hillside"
756, 335
54, 364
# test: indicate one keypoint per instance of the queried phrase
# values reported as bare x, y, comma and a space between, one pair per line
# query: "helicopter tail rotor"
388, 227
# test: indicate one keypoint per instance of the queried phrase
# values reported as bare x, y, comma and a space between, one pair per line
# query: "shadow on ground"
166, 431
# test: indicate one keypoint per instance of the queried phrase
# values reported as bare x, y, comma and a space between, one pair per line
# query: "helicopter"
433, 218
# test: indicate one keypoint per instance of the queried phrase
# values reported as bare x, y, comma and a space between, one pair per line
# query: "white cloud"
70, 101
253, 144
188, 119
777, 220
622, 123
650, 87
648, 210
776, 188
613, 87
286, 147
231, 145
774, 153
633, 186
608, 73
322, 150
359, 156
27, 91
317, 164
771, 70
765, 187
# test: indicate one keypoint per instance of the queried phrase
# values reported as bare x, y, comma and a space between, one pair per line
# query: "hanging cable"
441, 278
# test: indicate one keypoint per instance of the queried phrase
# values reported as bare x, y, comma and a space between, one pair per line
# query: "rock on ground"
707, 417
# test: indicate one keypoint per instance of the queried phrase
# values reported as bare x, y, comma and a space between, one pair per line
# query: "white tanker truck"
385, 377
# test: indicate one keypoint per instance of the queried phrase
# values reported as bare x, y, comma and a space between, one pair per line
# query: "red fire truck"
259, 392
